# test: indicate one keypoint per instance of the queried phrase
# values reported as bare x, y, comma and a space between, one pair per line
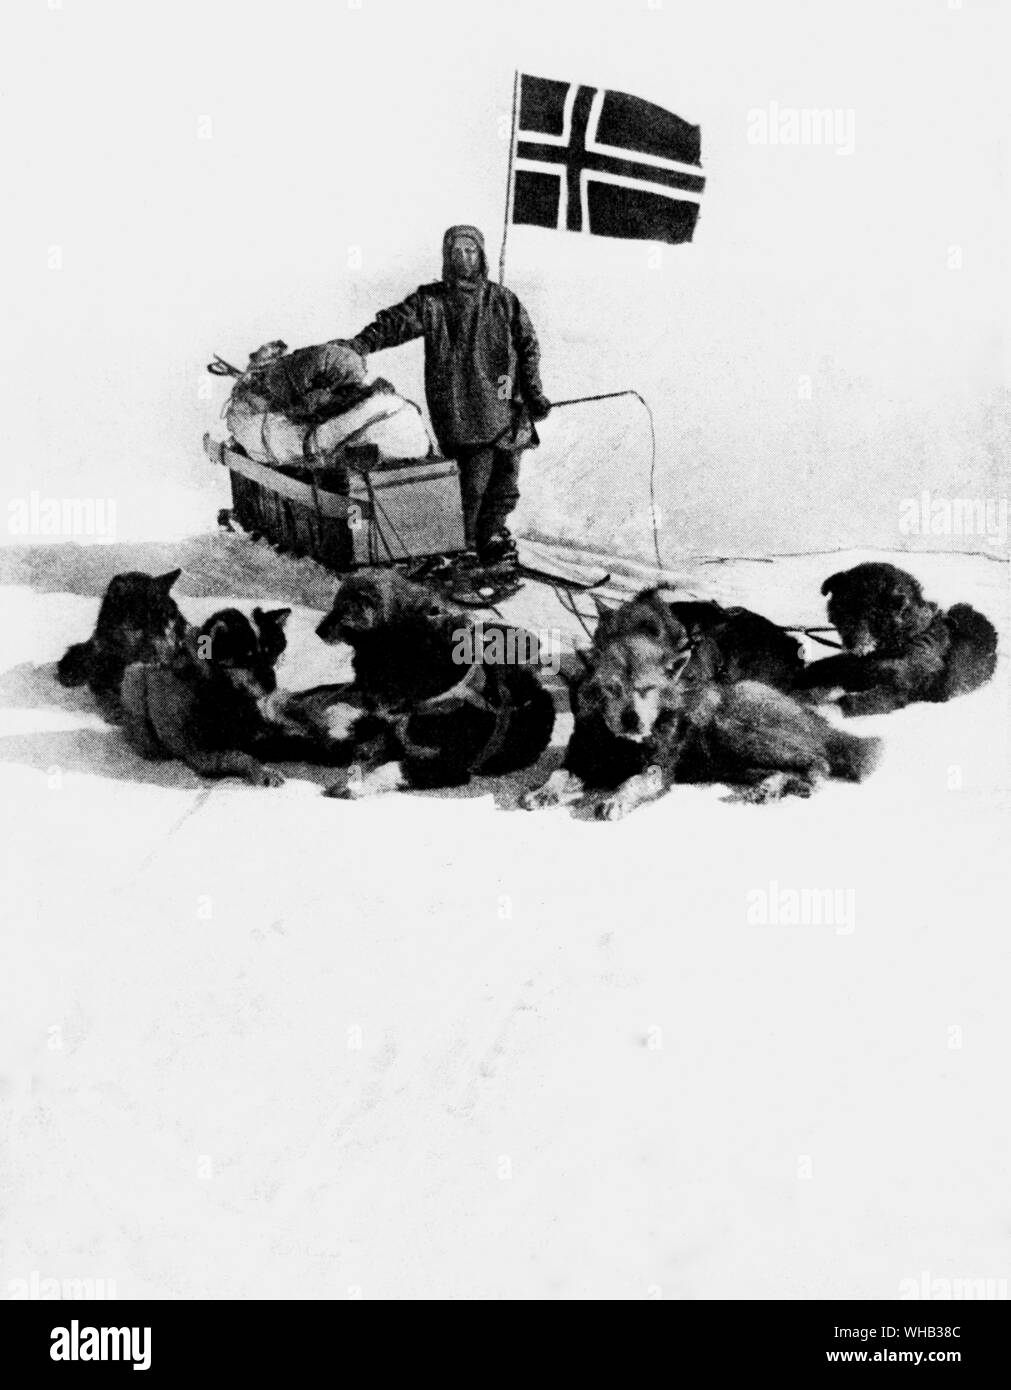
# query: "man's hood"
447, 241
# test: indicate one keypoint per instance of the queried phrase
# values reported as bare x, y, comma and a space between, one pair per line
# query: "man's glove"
539, 407
351, 343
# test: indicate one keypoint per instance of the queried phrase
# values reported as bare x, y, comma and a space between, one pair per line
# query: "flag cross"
574, 156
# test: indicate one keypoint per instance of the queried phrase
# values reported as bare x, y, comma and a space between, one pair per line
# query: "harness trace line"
613, 395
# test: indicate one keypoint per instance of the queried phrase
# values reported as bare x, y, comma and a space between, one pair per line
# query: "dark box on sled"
358, 510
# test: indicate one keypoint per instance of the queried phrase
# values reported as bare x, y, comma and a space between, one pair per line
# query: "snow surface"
263, 1044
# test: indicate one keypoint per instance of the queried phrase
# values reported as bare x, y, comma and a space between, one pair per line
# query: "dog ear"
608, 624
666, 627
369, 590
277, 617
165, 581
673, 629
833, 582
218, 628
677, 663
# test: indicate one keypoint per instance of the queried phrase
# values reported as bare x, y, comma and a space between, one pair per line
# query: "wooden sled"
355, 509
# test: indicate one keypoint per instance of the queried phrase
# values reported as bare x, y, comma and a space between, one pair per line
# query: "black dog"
651, 711
138, 621
205, 705
899, 648
734, 644
421, 670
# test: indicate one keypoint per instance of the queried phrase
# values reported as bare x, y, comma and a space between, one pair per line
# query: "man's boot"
499, 552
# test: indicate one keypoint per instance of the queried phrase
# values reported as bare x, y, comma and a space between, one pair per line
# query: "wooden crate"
414, 510
357, 511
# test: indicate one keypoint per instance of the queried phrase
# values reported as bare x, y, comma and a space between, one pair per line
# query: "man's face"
464, 257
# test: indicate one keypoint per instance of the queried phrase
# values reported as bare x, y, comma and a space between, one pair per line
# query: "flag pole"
509, 180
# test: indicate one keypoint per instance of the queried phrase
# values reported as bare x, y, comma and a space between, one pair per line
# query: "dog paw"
561, 789
645, 786
359, 782
819, 694
261, 776
539, 798
339, 790
773, 788
852, 705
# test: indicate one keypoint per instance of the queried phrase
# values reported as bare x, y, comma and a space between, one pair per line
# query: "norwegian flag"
602, 162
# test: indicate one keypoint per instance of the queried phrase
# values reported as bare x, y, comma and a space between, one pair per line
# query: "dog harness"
470, 690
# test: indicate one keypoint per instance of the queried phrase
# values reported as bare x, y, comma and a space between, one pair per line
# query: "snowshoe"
434, 570
483, 588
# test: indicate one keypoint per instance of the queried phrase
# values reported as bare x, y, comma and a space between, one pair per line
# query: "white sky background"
333, 127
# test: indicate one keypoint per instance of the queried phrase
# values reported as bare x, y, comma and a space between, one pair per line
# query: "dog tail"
850, 757
74, 666
972, 656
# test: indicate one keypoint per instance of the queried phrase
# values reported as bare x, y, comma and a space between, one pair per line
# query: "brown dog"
137, 621
205, 705
649, 713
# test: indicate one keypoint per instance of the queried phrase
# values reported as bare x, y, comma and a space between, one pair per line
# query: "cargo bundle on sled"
325, 466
